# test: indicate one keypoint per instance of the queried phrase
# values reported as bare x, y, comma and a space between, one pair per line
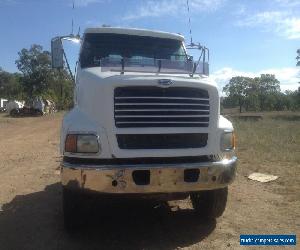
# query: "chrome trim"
165, 178
162, 122
160, 103
142, 116
165, 82
167, 97
224, 162
183, 110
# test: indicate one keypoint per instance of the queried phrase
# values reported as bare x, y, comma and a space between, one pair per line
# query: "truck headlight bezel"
82, 143
227, 141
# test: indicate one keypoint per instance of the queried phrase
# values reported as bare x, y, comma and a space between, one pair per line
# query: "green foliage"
37, 78
35, 64
259, 94
236, 90
10, 87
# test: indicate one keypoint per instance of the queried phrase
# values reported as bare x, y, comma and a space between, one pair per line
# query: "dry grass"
271, 145
272, 139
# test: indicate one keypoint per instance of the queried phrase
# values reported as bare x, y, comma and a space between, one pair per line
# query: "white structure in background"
39, 104
49, 107
3, 102
14, 105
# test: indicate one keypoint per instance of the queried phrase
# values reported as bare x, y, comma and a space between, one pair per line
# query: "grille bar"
160, 97
161, 100
160, 103
142, 106
154, 116
168, 110
161, 125
162, 119
160, 106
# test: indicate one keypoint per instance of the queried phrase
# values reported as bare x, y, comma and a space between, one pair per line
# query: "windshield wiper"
122, 65
159, 65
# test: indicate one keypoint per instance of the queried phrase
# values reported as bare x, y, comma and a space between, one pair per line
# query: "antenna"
72, 32
188, 9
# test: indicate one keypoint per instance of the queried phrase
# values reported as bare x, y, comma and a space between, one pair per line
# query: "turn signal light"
71, 143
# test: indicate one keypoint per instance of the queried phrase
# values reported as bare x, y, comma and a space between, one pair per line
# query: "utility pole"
61, 89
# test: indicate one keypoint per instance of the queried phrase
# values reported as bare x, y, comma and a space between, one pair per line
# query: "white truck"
146, 122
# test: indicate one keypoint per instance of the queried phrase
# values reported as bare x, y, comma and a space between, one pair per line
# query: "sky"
245, 37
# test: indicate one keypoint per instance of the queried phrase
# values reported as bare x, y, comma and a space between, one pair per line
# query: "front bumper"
162, 178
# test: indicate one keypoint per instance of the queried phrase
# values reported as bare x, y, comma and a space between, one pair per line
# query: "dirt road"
31, 214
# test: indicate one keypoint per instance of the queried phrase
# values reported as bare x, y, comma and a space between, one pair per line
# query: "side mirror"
57, 53
206, 69
202, 68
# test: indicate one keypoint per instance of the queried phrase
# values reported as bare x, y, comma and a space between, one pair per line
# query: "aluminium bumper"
163, 178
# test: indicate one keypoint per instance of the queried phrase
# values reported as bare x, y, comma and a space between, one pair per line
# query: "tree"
268, 87
10, 87
236, 90
60, 90
259, 93
39, 79
252, 95
35, 65
4, 79
298, 64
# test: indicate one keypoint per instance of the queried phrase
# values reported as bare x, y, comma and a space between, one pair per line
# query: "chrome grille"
161, 107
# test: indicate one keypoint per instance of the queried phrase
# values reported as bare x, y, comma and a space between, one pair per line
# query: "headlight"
227, 141
82, 143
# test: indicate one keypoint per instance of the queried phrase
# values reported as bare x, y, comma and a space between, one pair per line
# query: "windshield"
134, 53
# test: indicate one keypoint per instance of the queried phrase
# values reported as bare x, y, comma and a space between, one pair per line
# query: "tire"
14, 112
38, 112
72, 209
210, 203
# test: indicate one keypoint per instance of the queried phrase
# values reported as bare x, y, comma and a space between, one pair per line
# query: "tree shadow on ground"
34, 221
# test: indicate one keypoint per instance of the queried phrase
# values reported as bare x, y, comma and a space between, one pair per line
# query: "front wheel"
210, 203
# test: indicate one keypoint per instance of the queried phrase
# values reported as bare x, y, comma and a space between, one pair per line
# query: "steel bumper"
163, 178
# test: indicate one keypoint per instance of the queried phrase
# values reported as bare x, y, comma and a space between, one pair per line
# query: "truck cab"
146, 122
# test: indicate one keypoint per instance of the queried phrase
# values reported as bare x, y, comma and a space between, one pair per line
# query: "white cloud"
283, 23
240, 10
84, 3
288, 77
288, 3
77, 3
151, 8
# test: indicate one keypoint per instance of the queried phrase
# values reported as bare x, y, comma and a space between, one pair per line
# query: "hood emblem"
165, 82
